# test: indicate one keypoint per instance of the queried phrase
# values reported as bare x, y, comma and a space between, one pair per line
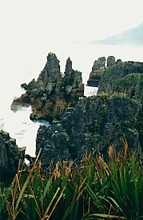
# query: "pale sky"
28, 27
26, 20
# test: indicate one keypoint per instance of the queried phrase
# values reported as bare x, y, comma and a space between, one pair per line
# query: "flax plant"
91, 188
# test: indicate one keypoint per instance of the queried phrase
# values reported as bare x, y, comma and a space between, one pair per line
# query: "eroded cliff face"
94, 123
113, 76
123, 77
10, 157
98, 69
81, 124
52, 92
113, 117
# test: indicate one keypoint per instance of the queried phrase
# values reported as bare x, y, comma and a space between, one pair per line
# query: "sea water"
17, 67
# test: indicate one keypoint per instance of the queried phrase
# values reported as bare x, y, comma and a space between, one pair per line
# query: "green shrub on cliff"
130, 84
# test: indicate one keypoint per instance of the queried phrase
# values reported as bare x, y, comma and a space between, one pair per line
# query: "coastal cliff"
113, 117
123, 77
52, 92
82, 124
98, 68
94, 123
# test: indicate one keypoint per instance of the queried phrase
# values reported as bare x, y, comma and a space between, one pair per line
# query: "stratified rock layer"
98, 69
123, 77
94, 123
10, 156
52, 92
113, 117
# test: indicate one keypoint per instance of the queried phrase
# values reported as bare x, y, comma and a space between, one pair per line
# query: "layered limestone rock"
98, 122
94, 123
113, 117
98, 69
10, 157
52, 92
110, 61
123, 77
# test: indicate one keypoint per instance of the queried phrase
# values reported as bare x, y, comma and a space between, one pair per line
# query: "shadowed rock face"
52, 92
123, 77
110, 61
81, 125
113, 116
98, 69
10, 155
94, 123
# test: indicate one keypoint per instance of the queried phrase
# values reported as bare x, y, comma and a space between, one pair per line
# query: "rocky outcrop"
130, 85
123, 77
52, 92
98, 70
89, 123
110, 61
10, 157
113, 116
94, 123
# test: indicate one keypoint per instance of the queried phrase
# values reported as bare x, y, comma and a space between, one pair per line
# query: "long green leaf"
49, 206
103, 216
26, 182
